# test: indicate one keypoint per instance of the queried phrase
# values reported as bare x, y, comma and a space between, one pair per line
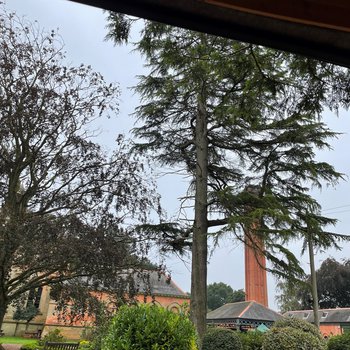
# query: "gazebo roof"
249, 310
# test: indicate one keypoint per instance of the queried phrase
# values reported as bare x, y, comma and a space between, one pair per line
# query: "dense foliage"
333, 284
32, 346
293, 334
221, 293
223, 339
149, 327
27, 313
290, 294
289, 338
251, 340
339, 342
333, 287
301, 325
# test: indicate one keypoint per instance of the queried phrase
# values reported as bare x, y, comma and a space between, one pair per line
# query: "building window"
34, 297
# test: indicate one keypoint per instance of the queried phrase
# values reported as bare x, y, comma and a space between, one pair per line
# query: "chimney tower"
255, 264
255, 273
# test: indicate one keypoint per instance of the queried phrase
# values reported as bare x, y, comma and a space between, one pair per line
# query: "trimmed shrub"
145, 327
251, 340
53, 336
221, 338
298, 324
339, 342
289, 338
32, 346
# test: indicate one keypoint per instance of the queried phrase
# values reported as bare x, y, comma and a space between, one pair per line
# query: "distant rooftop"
338, 315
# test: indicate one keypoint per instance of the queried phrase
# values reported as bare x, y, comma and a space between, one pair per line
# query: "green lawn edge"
17, 340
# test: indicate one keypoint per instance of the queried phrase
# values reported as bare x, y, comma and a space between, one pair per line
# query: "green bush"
221, 339
298, 324
32, 346
53, 336
289, 338
99, 331
146, 327
85, 345
251, 340
339, 342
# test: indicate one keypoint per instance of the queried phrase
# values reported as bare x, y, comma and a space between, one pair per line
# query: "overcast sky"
83, 29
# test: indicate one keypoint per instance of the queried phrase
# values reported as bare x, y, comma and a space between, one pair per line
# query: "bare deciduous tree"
64, 202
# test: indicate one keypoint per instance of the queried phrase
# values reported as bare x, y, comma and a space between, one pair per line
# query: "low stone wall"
14, 328
69, 332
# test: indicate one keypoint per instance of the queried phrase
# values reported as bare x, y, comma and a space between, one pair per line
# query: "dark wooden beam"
319, 36
320, 13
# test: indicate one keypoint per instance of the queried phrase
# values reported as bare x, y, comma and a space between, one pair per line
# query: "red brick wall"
330, 329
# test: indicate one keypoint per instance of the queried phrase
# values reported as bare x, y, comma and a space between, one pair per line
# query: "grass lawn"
16, 340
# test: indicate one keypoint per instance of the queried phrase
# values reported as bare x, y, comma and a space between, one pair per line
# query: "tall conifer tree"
233, 115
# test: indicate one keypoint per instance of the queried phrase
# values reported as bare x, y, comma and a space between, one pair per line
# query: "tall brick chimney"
255, 274
255, 263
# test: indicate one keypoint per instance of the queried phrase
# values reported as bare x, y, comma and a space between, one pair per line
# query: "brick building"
160, 290
332, 321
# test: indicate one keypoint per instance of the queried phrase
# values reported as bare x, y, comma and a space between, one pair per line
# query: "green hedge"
293, 334
147, 327
339, 342
32, 346
291, 339
251, 340
298, 324
221, 339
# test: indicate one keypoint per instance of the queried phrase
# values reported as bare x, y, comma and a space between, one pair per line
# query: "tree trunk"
313, 282
199, 244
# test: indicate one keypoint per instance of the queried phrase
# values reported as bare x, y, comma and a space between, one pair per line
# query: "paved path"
11, 346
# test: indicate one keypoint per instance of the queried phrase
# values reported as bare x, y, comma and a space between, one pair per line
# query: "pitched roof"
155, 283
339, 315
144, 282
244, 310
